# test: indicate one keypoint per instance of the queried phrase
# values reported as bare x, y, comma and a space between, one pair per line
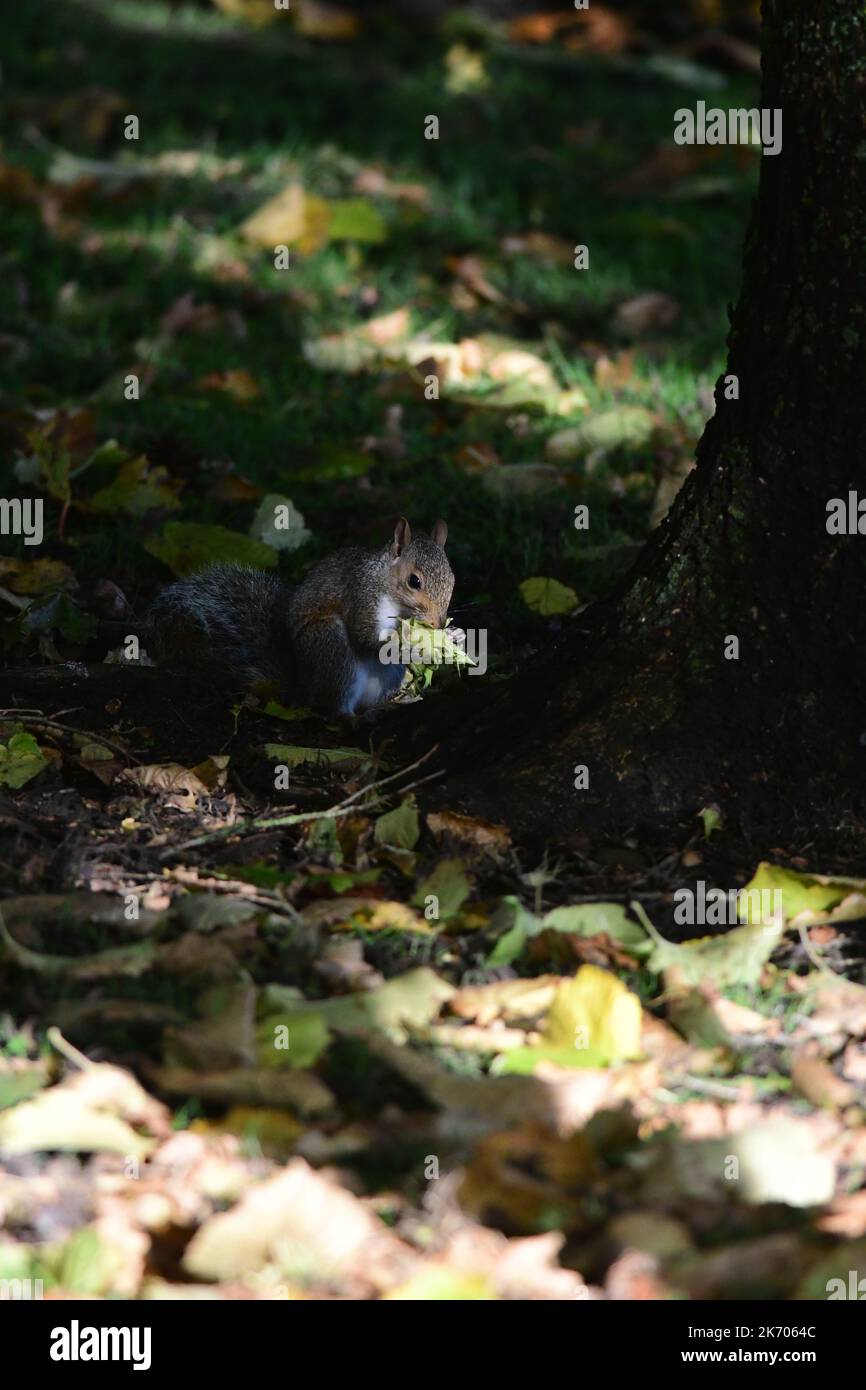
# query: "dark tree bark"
646, 698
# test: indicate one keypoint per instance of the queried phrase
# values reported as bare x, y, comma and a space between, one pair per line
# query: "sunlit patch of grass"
505, 163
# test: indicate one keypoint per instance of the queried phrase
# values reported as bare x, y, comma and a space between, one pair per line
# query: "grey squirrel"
319, 642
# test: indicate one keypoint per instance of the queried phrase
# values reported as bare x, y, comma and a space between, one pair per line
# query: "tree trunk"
650, 698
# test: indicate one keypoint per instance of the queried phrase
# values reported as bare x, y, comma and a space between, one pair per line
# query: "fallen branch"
342, 808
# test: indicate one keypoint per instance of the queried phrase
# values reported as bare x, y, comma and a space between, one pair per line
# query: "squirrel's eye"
414, 581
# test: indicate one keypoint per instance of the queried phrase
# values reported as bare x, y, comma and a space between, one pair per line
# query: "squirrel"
318, 642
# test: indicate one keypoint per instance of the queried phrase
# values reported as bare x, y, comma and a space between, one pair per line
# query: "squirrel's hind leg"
334, 677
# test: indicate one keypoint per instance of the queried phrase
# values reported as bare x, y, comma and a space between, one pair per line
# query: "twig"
78, 1059
706, 1087
342, 808
40, 722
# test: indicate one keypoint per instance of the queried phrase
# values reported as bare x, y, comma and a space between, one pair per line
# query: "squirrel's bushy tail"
227, 621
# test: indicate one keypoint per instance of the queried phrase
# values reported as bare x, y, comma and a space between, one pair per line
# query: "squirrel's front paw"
458, 637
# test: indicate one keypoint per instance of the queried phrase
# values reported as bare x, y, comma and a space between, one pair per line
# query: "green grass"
83, 311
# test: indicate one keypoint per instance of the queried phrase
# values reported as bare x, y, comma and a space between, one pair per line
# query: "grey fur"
319, 643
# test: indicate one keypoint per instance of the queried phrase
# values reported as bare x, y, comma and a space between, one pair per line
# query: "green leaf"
279, 524
20, 1080
805, 898
186, 546
597, 919
712, 819
138, 488
59, 612
449, 884
292, 755
291, 714
628, 427
335, 463
292, 1040
516, 926
547, 596
400, 827
431, 646
736, 958
21, 759
408, 1001
87, 1264
354, 219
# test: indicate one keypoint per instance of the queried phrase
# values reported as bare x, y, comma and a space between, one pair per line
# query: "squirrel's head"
420, 578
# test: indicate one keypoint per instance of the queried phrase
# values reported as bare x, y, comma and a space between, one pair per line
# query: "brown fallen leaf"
613, 373
468, 1037
524, 1268
17, 184
476, 458
237, 382
540, 246
854, 1063
186, 315
540, 28
374, 182
212, 772
343, 968
505, 999
305, 1225
317, 20
180, 785
666, 165
516, 1177
815, 1079
516, 364
646, 313
601, 30
636, 1276
296, 1090
472, 272
387, 328
845, 1216
480, 834
839, 1006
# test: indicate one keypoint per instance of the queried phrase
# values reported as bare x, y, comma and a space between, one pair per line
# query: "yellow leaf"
255, 12
290, 217
464, 70
547, 596
595, 1012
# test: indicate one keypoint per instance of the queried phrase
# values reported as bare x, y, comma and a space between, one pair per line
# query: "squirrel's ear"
440, 533
402, 537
